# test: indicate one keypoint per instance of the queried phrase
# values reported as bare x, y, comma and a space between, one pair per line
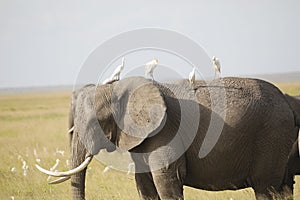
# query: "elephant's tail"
297, 123
292, 104
297, 119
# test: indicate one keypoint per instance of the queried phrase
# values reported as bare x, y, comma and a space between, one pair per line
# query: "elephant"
294, 102
166, 126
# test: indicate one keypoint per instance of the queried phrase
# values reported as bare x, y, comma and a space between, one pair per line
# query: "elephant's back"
240, 97
236, 90
234, 100
252, 111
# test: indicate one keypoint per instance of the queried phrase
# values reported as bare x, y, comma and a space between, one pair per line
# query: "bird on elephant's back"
230, 133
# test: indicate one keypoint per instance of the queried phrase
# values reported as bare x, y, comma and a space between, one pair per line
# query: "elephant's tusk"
71, 129
71, 172
60, 180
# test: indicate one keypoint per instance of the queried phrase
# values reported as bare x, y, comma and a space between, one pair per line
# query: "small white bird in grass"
106, 169
150, 66
61, 152
217, 65
25, 168
55, 165
116, 74
192, 77
130, 168
53, 168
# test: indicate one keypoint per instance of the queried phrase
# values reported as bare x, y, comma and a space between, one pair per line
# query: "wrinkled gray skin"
294, 101
252, 150
293, 167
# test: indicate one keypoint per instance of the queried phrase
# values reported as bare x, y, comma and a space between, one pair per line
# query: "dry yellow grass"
291, 88
38, 123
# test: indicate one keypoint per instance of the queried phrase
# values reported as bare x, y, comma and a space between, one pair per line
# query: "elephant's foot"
169, 186
271, 194
260, 196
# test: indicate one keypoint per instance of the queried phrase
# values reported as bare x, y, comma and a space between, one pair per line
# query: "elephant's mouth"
66, 175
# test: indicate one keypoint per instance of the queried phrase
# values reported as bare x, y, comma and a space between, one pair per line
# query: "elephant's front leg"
143, 179
146, 187
169, 180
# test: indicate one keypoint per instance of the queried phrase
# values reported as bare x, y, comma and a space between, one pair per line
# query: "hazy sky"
46, 42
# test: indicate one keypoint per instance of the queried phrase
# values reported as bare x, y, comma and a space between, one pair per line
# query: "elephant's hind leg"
266, 180
268, 171
146, 187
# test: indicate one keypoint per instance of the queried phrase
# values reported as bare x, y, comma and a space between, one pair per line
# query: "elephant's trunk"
78, 155
78, 185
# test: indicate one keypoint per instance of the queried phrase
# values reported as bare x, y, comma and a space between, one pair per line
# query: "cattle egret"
36, 156
150, 66
25, 168
116, 74
55, 165
130, 168
106, 169
216, 64
53, 168
61, 152
192, 77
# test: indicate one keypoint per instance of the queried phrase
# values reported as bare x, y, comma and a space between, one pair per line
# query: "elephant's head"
123, 113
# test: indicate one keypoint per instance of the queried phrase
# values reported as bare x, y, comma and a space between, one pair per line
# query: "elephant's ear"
86, 124
138, 109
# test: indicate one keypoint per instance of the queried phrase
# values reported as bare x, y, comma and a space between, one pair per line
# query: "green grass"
38, 122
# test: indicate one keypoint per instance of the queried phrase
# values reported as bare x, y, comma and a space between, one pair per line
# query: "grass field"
33, 127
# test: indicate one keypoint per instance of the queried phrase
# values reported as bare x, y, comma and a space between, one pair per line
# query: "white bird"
192, 77
53, 168
25, 168
20, 157
61, 152
150, 66
36, 156
106, 169
35, 153
55, 165
116, 74
130, 168
216, 64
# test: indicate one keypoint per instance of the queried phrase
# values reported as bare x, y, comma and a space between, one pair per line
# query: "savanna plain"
33, 129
